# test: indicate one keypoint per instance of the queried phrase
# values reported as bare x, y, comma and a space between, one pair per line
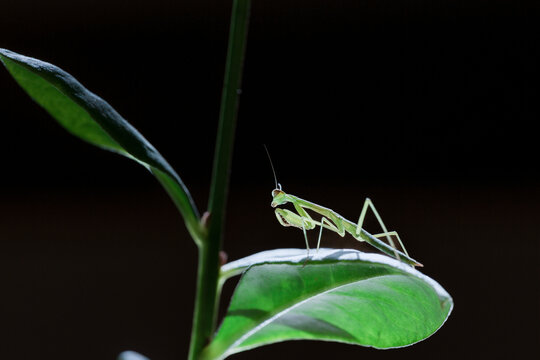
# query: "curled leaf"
338, 295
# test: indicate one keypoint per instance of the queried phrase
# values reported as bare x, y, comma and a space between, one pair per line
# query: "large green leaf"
337, 295
92, 119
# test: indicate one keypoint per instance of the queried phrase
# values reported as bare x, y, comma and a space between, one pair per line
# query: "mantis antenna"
278, 185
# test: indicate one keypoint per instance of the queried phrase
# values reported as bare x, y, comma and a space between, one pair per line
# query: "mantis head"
279, 197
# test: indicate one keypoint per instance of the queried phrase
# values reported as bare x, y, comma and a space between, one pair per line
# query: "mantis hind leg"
369, 205
393, 233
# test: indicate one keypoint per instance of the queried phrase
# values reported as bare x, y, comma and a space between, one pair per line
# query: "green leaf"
337, 295
92, 119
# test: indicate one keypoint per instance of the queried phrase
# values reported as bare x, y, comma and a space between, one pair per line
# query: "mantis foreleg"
288, 218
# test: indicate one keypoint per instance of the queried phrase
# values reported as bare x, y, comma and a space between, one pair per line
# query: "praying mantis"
334, 222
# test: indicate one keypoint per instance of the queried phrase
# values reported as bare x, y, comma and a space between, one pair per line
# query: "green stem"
206, 301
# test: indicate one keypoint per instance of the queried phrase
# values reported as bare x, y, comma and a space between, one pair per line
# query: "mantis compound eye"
276, 192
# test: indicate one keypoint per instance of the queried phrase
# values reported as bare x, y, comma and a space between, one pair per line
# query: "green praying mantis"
333, 221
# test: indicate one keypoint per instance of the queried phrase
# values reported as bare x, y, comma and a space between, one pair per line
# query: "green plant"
341, 295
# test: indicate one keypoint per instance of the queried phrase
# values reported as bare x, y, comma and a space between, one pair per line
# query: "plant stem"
206, 301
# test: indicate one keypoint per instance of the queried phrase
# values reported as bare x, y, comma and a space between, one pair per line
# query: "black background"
427, 107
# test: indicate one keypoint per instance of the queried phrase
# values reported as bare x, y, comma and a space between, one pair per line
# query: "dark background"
428, 107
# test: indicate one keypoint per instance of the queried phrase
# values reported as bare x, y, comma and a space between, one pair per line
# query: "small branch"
207, 299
